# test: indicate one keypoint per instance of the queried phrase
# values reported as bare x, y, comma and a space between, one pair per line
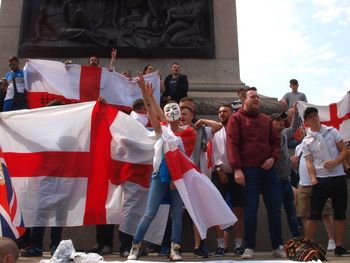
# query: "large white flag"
47, 80
67, 162
334, 114
64, 161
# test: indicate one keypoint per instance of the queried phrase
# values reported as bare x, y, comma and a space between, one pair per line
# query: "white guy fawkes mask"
172, 111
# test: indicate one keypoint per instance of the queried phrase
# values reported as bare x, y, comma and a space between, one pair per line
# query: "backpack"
300, 249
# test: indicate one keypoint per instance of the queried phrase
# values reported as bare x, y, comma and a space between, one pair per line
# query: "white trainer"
279, 252
175, 254
248, 254
331, 245
135, 251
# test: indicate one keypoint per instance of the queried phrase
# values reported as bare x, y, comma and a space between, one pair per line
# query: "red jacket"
251, 139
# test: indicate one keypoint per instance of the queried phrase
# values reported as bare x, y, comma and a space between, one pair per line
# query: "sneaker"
32, 252
220, 251
175, 254
238, 251
95, 249
134, 252
341, 252
248, 254
201, 252
105, 250
279, 252
124, 254
331, 245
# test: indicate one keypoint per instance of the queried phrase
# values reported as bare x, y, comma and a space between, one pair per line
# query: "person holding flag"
171, 173
160, 181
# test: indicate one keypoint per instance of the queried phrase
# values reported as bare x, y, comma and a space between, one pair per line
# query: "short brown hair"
138, 104
13, 58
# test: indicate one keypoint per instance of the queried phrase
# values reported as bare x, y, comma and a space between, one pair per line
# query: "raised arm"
214, 125
147, 95
113, 59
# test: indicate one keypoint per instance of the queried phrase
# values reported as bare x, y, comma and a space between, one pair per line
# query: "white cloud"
279, 41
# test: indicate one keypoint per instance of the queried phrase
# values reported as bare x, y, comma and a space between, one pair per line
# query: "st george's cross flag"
11, 222
336, 115
47, 80
65, 164
66, 161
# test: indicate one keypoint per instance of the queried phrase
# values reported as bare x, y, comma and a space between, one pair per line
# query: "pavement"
189, 257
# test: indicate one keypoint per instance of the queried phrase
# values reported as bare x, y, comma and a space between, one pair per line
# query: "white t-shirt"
322, 146
305, 179
18, 75
219, 154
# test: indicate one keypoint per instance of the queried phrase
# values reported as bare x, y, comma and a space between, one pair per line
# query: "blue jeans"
259, 181
8, 105
288, 203
157, 191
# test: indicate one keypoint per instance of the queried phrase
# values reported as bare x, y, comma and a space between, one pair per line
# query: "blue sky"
304, 39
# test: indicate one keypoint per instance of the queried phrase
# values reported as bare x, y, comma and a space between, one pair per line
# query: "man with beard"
253, 147
223, 178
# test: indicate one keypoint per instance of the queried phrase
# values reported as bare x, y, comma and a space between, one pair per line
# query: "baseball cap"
276, 116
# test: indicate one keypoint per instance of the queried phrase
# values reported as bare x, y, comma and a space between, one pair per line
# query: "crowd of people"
245, 153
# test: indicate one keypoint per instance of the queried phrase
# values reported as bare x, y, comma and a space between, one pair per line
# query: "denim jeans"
289, 207
259, 181
157, 191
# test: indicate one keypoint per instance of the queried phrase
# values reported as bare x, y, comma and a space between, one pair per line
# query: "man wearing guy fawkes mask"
161, 182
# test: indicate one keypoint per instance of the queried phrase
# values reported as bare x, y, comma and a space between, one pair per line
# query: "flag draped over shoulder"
66, 163
11, 222
335, 114
47, 80
201, 198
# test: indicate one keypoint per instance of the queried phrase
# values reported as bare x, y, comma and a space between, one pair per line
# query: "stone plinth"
218, 74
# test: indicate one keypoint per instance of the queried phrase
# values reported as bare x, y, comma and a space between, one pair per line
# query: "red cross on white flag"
335, 114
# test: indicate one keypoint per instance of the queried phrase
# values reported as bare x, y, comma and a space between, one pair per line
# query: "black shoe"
95, 249
106, 250
143, 253
341, 252
201, 252
32, 252
238, 251
220, 251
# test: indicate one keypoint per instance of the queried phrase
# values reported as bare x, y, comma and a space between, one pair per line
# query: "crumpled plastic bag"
87, 258
64, 253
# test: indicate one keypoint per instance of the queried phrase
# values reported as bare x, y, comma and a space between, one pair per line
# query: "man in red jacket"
253, 147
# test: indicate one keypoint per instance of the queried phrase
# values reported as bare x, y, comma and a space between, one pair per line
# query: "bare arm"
157, 109
311, 168
113, 59
214, 125
146, 90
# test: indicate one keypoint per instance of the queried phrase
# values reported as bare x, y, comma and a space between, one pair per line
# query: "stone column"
10, 23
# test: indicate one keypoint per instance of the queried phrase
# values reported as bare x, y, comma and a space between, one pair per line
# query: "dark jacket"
251, 139
181, 88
